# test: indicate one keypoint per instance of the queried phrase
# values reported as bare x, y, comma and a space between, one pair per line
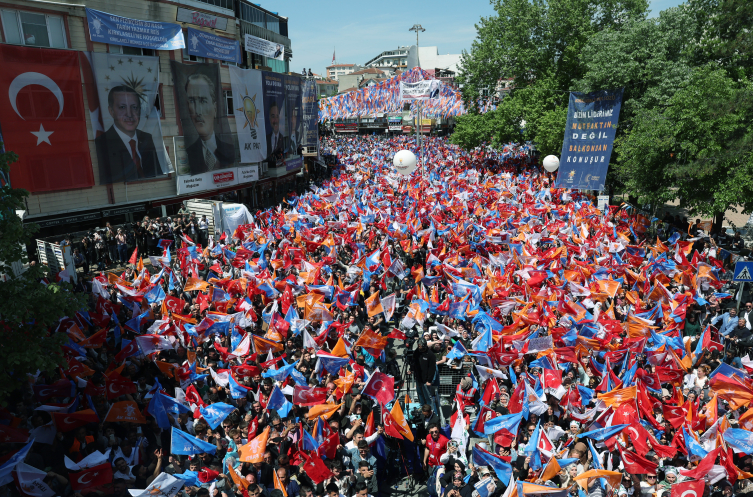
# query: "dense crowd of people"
270, 361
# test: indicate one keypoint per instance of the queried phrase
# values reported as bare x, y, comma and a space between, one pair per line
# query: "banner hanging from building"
209, 144
264, 47
43, 119
128, 134
248, 106
210, 180
310, 102
211, 46
117, 30
294, 115
425, 89
589, 136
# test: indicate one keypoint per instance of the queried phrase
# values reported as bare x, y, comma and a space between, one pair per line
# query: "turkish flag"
303, 396
382, 387
43, 118
70, 421
194, 397
688, 488
636, 464
61, 388
131, 349
117, 386
315, 469
13, 435
675, 415
92, 477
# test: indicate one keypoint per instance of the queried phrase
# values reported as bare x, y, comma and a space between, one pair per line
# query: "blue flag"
236, 391
185, 444
279, 374
742, 440
482, 457
276, 399
602, 434
215, 413
509, 423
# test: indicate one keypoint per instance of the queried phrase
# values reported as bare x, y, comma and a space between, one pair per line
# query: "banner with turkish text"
589, 135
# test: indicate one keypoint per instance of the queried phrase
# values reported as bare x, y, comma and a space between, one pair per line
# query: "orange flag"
374, 305
552, 469
614, 478
126, 411
262, 345
731, 390
345, 384
253, 451
278, 484
371, 340
619, 396
339, 349
323, 410
400, 423
193, 284
239, 482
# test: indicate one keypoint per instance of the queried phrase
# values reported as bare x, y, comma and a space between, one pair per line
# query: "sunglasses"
434, 432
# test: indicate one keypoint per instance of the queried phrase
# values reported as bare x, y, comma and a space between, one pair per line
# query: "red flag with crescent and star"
43, 118
92, 477
381, 386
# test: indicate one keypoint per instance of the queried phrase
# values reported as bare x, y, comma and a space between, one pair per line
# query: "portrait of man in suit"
278, 52
276, 141
208, 152
294, 140
124, 152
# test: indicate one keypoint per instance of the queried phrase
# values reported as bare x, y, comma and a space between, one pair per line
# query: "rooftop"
340, 65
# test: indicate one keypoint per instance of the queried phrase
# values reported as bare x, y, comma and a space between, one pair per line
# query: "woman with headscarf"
670, 478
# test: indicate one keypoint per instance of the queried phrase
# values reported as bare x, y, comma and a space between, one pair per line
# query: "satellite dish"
551, 163
405, 162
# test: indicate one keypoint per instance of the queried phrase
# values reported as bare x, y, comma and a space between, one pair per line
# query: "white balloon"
405, 162
551, 163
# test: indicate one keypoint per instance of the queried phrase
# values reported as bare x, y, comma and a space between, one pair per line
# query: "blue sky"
360, 30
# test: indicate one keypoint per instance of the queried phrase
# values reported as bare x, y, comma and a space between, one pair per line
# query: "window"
131, 50
33, 29
192, 58
228, 94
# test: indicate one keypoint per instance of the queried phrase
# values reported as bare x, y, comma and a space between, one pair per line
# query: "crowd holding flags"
266, 361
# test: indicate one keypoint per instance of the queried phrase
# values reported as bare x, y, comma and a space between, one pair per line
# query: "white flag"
31, 481
164, 485
388, 304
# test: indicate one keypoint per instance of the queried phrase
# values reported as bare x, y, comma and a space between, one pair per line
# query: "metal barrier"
449, 378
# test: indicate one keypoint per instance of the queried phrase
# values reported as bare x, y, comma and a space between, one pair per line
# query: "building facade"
64, 26
335, 71
389, 60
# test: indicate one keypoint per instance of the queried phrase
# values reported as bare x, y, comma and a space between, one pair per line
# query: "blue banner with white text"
212, 46
117, 30
589, 136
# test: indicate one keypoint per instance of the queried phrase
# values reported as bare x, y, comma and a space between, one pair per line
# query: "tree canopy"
29, 310
686, 76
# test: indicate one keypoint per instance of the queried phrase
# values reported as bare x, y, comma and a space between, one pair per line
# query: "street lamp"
419, 143
418, 29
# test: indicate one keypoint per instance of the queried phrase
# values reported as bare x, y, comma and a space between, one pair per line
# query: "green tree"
697, 148
538, 45
29, 310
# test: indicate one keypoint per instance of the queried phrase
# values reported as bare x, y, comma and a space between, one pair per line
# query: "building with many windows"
336, 70
63, 25
390, 59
